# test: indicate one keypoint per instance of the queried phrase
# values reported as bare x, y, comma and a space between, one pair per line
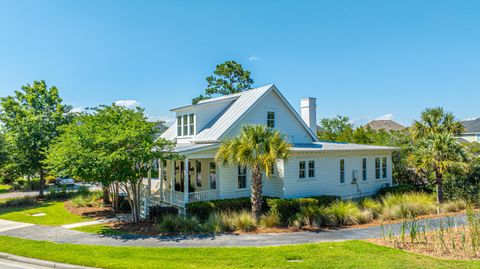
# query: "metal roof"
338, 146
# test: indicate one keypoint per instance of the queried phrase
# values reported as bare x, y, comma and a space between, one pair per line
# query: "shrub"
215, 224
242, 220
177, 224
202, 210
269, 221
92, 199
17, 202
399, 189
365, 216
344, 213
313, 216
454, 206
409, 205
83, 191
286, 209
374, 206
326, 200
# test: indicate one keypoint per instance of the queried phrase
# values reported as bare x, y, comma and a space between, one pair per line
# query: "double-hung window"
179, 126
213, 176
364, 169
271, 119
185, 126
342, 171
242, 177
377, 167
384, 167
191, 125
301, 169
311, 168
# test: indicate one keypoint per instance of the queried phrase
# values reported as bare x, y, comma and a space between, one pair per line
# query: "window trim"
364, 169
300, 169
269, 120
384, 167
381, 176
311, 169
243, 175
186, 125
198, 173
212, 166
341, 172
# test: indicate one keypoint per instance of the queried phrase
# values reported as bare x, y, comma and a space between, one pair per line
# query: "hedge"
283, 209
399, 189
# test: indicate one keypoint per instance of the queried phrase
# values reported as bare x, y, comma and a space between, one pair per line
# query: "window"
179, 126
342, 171
377, 168
198, 175
301, 169
272, 169
311, 168
213, 176
185, 126
364, 169
164, 170
242, 177
384, 167
191, 120
271, 119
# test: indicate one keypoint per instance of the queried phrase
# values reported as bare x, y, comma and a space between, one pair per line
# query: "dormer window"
186, 125
271, 119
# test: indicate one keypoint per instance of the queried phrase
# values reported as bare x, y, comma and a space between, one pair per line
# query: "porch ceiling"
193, 148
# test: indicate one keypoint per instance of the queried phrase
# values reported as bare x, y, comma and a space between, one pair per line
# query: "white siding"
327, 175
285, 121
229, 183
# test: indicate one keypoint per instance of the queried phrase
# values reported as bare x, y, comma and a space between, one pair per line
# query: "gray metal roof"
184, 148
337, 146
472, 126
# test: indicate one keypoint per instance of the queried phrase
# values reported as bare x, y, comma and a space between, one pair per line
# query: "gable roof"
472, 126
240, 104
387, 125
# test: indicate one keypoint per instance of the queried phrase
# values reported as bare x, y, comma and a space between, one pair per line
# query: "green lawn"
56, 214
351, 254
4, 188
99, 229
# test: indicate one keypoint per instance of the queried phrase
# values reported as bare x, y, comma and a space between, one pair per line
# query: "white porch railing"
204, 195
174, 198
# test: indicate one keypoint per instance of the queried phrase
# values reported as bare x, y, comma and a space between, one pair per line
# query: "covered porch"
178, 182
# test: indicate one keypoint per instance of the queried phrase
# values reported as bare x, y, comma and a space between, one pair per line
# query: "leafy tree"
112, 145
229, 77
436, 120
337, 129
439, 153
257, 148
31, 118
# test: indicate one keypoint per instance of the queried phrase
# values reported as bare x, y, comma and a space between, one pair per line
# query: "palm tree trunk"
256, 193
439, 183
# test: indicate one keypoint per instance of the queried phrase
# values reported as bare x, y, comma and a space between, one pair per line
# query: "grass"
56, 214
350, 254
99, 229
4, 188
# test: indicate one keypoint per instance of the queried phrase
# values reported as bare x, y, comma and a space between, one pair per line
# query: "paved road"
8, 264
62, 235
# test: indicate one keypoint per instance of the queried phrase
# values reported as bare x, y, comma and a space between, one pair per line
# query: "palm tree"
257, 148
439, 153
436, 120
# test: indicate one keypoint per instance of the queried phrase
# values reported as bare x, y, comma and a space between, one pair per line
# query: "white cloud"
77, 109
129, 103
388, 116
253, 58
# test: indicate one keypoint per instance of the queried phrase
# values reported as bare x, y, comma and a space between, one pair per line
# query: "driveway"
62, 235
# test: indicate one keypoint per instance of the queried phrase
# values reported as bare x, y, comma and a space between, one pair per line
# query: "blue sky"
363, 59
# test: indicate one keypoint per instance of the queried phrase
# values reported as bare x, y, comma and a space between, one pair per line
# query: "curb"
41, 262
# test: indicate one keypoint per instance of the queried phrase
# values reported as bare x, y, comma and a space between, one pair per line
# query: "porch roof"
190, 148
338, 146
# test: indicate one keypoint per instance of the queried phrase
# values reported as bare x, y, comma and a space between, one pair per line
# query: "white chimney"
308, 111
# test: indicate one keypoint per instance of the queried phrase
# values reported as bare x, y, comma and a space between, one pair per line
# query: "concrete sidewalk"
62, 235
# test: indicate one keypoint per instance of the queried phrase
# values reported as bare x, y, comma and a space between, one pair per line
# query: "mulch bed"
91, 212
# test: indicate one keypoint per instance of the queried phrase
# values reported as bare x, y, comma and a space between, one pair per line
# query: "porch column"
186, 182
172, 180
160, 177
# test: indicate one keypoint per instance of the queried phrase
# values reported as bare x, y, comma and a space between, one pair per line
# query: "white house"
314, 168
472, 131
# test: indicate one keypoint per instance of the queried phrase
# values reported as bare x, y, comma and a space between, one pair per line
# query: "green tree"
436, 120
257, 148
111, 145
229, 77
31, 118
439, 153
337, 129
